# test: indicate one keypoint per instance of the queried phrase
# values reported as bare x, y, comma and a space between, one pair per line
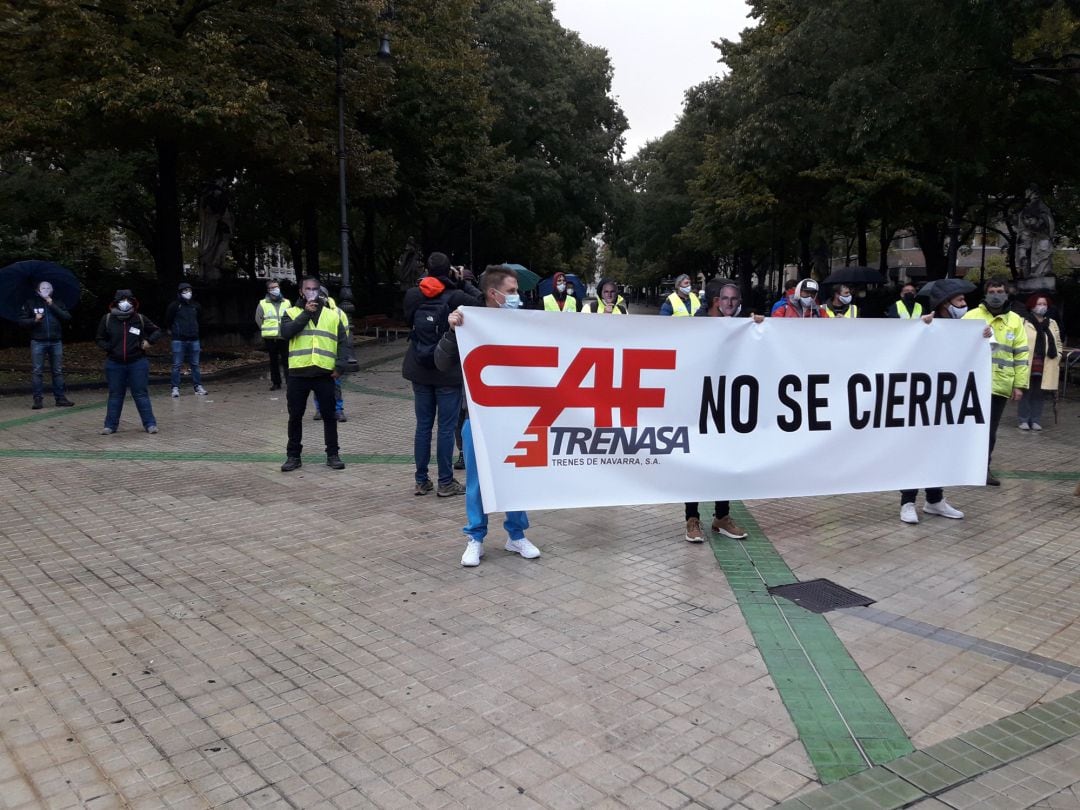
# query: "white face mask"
311, 295
186, 295
1039, 310
125, 306
512, 301
957, 312
45, 289
275, 293
806, 302
845, 299
560, 287
685, 290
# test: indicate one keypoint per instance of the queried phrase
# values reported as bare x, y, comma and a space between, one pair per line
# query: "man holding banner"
500, 288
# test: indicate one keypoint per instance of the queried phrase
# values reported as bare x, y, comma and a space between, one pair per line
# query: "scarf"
1044, 339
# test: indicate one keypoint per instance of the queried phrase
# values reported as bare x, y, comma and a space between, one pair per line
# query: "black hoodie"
121, 334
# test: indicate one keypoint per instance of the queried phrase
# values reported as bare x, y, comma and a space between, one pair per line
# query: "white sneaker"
1023, 426
474, 550
175, 391
200, 390
908, 513
942, 509
1036, 426
524, 548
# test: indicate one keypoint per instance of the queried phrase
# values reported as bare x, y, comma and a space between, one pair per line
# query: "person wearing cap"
907, 308
683, 303
802, 303
839, 305
182, 318
124, 334
268, 318
607, 300
559, 299
44, 316
789, 290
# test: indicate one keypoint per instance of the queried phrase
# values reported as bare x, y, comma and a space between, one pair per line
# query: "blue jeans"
516, 522
1030, 408
121, 377
339, 398
427, 400
55, 351
186, 350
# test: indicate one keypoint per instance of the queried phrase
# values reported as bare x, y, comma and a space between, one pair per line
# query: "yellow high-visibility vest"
1009, 356
852, 312
271, 311
552, 305
678, 304
598, 308
316, 345
902, 310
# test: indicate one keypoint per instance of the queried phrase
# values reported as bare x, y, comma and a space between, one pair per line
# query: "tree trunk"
931, 238
806, 261
296, 253
367, 272
884, 240
746, 274
860, 234
168, 250
311, 240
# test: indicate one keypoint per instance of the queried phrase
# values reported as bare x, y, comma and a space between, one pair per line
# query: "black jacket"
182, 319
469, 295
121, 335
50, 327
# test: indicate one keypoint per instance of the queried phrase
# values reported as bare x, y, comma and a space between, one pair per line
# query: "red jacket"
788, 310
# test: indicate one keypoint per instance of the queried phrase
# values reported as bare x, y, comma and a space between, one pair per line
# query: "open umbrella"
854, 275
576, 284
19, 281
943, 289
527, 279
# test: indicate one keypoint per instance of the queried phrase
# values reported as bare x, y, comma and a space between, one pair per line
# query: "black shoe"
317, 417
991, 481
460, 463
275, 386
64, 402
291, 463
335, 463
341, 417
37, 404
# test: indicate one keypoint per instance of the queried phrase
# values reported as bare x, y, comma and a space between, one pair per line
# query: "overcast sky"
659, 50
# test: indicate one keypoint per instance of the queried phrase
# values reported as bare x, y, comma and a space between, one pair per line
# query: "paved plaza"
184, 626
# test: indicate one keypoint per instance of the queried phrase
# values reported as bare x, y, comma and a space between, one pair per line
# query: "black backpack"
428, 326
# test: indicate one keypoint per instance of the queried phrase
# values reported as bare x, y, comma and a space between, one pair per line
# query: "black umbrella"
943, 289
19, 281
854, 275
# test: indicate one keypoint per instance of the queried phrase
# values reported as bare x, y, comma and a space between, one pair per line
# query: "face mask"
684, 290
311, 295
275, 293
45, 289
1039, 310
807, 302
908, 298
996, 300
957, 312
512, 301
845, 299
125, 306
186, 295
560, 287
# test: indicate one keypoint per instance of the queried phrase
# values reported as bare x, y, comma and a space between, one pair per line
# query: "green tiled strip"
152, 455
842, 722
942, 767
1025, 475
52, 413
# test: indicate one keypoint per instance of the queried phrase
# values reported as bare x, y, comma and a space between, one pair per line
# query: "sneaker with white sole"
200, 390
908, 513
175, 391
524, 548
1024, 426
942, 509
1036, 426
726, 526
693, 531
474, 550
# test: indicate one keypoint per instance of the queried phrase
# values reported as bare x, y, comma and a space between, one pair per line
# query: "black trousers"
997, 408
279, 359
296, 396
933, 495
723, 508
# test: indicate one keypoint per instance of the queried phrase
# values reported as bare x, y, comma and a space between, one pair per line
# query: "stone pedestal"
1037, 284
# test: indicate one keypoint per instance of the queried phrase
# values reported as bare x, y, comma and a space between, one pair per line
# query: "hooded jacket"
50, 327
182, 318
598, 306
120, 334
432, 287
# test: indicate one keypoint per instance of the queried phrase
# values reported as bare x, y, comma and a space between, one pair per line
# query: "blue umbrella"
18, 284
548, 284
527, 279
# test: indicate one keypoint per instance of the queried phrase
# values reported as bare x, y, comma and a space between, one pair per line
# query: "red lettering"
534, 453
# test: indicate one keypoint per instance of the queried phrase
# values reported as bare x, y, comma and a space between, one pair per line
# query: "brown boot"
726, 526
693, 531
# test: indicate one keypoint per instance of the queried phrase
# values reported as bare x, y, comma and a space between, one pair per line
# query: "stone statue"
1035, 244
215, 228
409, 267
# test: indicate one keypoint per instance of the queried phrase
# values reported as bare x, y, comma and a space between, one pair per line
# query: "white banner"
606, 411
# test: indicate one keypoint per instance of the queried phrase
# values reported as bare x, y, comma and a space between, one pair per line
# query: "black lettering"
815, 402
576, 440
681, 440
970, 405
712, 406
600, 439
857, 381
920, 395
790, 382
946, 390
879, 396
558, 433
749, 385
895, 400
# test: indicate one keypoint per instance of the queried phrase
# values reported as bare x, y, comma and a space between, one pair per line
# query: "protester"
500, 290
560, 299
607, 299
1009, 356
907, 307
44, 316
789, 290
723, 300
802, 303
683, 302
839, 304
437, 394
318, 355
124, 334
339, 394
182, 320
268, 318
1044, 342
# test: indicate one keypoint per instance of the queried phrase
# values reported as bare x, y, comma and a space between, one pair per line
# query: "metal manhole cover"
820, 595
